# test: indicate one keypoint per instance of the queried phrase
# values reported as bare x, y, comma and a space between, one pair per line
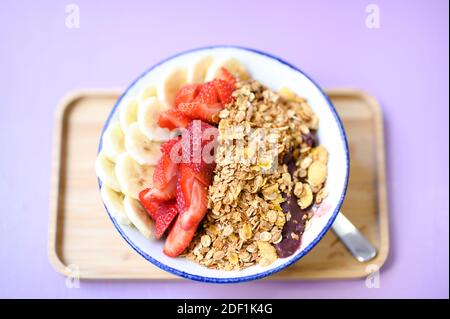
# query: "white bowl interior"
274, 74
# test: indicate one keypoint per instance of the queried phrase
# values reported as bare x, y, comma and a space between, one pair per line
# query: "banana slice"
138, 216
148, 114
169, 86
231, 64
128, 113
113, 141
140, 147
105, 169
132, 176
114, 203
146, 92
197, 72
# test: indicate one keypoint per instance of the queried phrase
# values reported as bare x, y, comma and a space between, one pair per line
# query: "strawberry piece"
206, 106
172, 119
164, 216
186, 94
202, 101
207, 93
164, 180
199, 141
192, 198
178, 239
167, 146
186, 178
151, 198
202, 111
224, 90
150, 203
192, 207
166, 169
227, 76
194, 177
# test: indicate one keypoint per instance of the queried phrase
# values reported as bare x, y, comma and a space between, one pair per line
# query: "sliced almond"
317, 173
306, 197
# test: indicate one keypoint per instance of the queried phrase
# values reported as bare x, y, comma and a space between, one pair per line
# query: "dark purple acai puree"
311, 139
293, 228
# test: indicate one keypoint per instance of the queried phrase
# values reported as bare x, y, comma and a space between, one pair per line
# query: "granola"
245, 220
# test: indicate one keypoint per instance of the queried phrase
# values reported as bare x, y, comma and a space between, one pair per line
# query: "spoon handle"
354, 241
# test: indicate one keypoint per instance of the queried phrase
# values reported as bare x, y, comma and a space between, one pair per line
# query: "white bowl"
275, 73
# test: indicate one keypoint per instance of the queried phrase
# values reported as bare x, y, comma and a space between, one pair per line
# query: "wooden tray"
83, 239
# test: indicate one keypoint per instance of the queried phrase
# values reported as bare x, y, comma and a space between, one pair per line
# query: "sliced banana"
113, 141
148, 114
197, 71
128, 113
140, 147
132, 176
231, 64
114, 203
146, 92
105, 169
138, 216
169, 86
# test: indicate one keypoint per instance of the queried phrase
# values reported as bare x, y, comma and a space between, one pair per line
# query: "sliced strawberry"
172, 119
211, 98
224, 90
164, 179
207, 93
178, 239
227, 76
186, 94
199, 141
165, 171
150, 203
167, 146
194, 175
202, 111
164, 216
186, 178
192, 198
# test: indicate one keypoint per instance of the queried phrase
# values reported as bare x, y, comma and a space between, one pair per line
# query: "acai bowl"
223, 164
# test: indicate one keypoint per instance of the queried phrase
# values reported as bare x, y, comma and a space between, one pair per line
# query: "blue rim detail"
265, 273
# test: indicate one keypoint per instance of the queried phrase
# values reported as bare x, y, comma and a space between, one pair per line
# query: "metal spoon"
354, 241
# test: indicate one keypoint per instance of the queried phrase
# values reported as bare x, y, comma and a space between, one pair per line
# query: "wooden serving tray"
83, 239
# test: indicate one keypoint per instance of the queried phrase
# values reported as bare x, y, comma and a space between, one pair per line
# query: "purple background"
404, 64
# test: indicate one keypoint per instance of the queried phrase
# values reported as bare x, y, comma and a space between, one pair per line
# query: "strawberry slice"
151, 198
149, 202
227, 76
224, 90
194, 177
178, 239
164, 180
172, 119
164, 216
186, 94
192, 198
210, 100
166, 169
167, 146
207, 93
199, 141
202, 111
